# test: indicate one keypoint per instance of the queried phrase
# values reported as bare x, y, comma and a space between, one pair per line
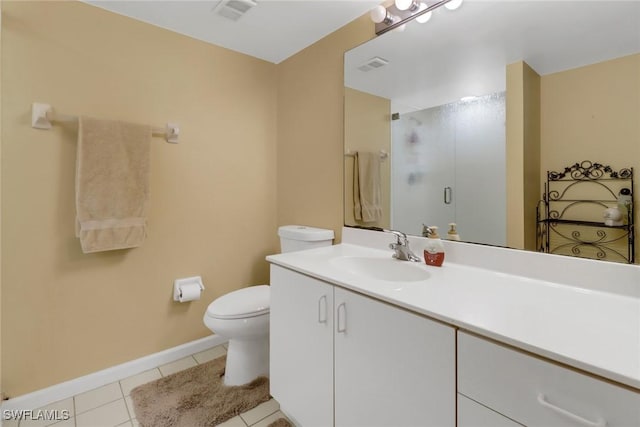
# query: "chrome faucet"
401, 246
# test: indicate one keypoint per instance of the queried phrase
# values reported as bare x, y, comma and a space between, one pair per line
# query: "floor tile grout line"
266, 416
75, 411
155, 368
127, 406
73, 402
105, 404
183, 358
125, 398
61, 421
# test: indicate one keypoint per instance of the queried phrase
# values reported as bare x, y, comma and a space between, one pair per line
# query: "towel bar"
42, 116
383, 154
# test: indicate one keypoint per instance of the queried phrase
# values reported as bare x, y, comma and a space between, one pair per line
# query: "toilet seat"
241, 304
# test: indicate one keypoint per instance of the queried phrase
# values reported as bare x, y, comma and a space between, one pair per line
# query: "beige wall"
592, 113
367, 128
523, 154
311, 131
532, 189
212, 207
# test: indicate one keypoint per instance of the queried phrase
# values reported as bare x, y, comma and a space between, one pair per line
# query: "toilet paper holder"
187, 282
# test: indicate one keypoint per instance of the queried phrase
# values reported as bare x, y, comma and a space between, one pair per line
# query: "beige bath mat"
196, 397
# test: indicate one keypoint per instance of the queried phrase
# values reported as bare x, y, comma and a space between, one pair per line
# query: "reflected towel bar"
383, 154
42, 116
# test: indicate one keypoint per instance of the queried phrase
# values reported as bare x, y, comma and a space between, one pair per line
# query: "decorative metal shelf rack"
570, 218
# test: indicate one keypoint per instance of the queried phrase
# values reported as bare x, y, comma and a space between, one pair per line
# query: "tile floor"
111, 406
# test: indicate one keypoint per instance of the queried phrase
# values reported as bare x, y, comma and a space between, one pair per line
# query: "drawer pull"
322, 309
342, 319
544, 402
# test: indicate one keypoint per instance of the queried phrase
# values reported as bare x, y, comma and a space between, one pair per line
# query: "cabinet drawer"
536, 392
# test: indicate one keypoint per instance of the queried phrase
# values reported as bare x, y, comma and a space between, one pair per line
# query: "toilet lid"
247, 302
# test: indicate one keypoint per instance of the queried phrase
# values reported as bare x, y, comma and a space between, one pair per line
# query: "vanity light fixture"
453, 4
421, 19
398, 14
380, 15
414, 6
411, 5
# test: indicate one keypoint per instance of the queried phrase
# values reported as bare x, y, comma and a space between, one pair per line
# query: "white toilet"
242, 316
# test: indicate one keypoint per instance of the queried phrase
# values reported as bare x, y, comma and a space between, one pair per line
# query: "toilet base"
247, 359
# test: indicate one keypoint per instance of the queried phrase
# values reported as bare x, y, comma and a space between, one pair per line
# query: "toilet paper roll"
189, 292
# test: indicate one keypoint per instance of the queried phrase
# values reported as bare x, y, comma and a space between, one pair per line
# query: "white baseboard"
70, 388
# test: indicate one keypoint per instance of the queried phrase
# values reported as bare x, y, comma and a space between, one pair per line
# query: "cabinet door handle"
447, 195
342, 318
322, 309
544, 402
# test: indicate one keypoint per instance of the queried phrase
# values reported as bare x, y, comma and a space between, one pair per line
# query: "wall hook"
40, 115
172, 133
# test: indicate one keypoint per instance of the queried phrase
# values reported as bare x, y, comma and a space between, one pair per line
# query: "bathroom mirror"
469, 110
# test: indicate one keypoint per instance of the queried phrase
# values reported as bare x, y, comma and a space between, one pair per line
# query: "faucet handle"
402, 237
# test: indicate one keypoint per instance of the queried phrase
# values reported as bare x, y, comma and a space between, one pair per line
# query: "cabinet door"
301, 347
392, 367
472, 414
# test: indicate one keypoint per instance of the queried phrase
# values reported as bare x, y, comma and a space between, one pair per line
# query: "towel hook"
172, 133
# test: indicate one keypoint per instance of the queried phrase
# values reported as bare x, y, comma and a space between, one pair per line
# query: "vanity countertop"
592, 330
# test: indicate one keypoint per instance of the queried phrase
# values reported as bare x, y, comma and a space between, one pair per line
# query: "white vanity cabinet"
535, 392
301, 347
344, 359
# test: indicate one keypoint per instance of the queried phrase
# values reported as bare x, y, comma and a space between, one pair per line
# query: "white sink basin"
388, 269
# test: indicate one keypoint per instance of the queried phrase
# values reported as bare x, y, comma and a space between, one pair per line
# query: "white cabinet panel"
392, 367
301, 347
535, 392
472, 414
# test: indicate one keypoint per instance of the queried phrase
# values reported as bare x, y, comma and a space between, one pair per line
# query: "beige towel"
366, 187
112, 184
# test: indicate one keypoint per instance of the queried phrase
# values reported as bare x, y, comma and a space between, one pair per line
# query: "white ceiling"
273, 30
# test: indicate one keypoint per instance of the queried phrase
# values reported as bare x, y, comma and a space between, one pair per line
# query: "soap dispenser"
452, 234
434, 249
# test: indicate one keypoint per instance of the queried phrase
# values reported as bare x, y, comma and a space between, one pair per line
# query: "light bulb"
453, 4
378, 14
400, 28
403, 4
425, 16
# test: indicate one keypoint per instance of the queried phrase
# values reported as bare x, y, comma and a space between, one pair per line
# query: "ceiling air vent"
373, 63
234, 9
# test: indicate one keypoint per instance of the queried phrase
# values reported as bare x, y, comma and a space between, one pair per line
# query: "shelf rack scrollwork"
586, 189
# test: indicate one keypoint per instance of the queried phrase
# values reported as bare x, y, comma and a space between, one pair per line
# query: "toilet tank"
300, 237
